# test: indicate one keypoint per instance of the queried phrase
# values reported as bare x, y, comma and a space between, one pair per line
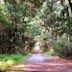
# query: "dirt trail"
51, 64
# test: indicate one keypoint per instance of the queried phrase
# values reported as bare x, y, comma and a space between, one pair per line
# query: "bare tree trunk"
70, 3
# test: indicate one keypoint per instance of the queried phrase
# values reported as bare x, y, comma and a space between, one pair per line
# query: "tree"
58, 17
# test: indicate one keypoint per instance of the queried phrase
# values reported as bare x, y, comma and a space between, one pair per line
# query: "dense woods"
22, 20
25, 22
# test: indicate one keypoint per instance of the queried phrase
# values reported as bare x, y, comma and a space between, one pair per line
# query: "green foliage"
49, 53
62, 47
33, 17
58, 17
18, 26
7, 61
9, 39
3, 66
15, 57
12, 26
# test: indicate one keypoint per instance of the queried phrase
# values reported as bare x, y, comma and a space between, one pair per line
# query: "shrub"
69, 49
63, 48
50, 53
4, 65
7, 60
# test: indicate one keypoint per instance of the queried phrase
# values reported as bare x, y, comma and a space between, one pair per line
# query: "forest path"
38, 62
50, 64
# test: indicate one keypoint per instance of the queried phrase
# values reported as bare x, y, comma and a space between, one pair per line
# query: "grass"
14, 57
7, 60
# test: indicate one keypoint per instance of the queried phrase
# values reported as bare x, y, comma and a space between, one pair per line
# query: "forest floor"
51, 64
